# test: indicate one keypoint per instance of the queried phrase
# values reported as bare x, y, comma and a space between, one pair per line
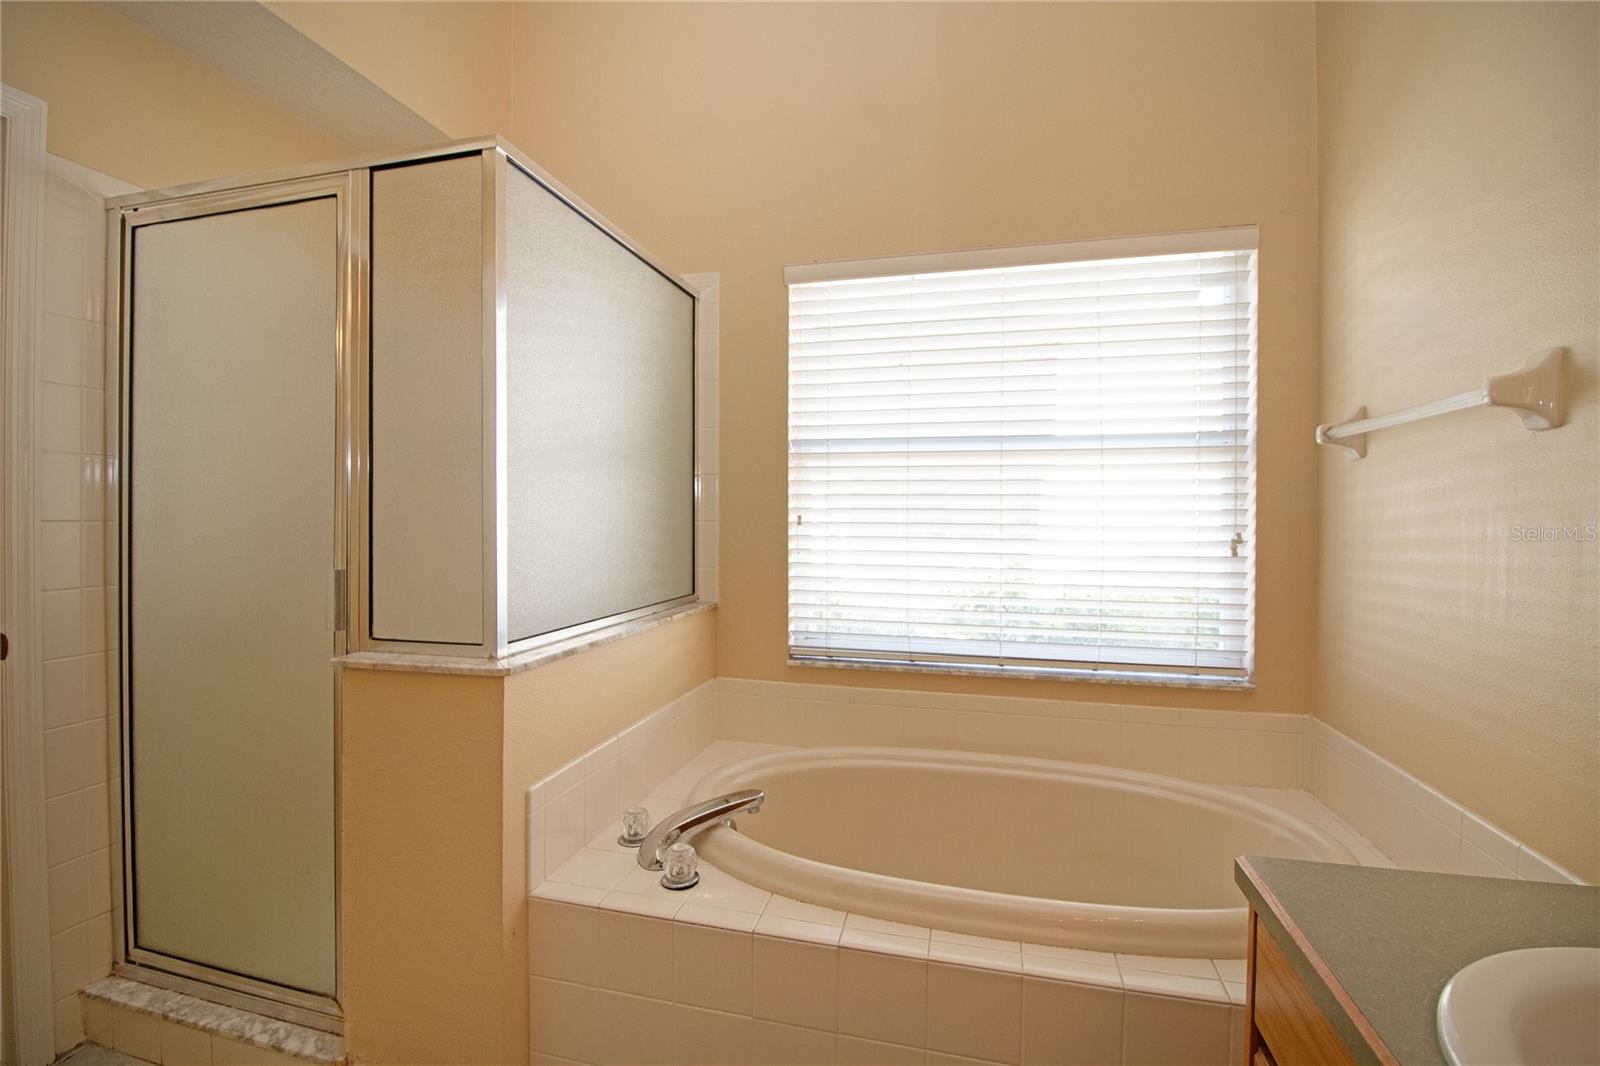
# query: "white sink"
1534, 1007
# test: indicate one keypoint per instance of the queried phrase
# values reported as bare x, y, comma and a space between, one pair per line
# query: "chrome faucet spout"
676, 826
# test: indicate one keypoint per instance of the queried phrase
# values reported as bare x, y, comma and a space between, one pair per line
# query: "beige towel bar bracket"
1534, 392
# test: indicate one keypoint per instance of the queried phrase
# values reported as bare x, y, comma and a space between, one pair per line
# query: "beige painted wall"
1459, 233
743, 137
128, 103
563, 709
449, 62
421, 869
434, 833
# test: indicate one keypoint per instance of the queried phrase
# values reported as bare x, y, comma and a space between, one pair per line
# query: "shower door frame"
349, 189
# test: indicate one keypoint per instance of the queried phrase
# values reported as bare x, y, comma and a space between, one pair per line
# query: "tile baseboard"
1415, 824
1220, 747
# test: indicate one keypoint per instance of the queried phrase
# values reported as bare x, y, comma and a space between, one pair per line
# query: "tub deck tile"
723, 890
797, 929
1210, 990
883, 943
976, 957
646, 906
1073, 971
992, 943
1230, 969
594, 869
565, 893
1162, 964
1051, 951
784, 907
880, 925
718, 918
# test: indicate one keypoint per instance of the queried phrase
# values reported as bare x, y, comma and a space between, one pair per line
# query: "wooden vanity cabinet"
1283, 1025
1345, 962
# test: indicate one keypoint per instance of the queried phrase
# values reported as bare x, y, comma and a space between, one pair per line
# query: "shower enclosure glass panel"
230, 617
427, 402
600, 421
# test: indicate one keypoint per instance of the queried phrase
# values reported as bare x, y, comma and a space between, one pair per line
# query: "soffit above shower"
257, 48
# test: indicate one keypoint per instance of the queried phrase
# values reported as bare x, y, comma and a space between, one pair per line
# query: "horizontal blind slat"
1044, 463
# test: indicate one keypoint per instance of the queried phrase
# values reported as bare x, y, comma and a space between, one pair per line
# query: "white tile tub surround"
727, 973
707, 390
624, 971
1402, 820
586, 797
1229, 747
73, 585
1413, 823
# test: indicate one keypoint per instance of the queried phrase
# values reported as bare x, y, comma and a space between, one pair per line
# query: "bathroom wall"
75, 602
449, 62
562, 709
434, 832
420, 862
744, 137
1460, 572
127, 102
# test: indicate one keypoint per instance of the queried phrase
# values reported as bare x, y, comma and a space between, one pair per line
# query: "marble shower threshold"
219, 1021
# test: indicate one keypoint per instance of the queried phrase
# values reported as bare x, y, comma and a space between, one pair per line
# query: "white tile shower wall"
582, 799
73, 586
708, 285
1413, 823
1232, 747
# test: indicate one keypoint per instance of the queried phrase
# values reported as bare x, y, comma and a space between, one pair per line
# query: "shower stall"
428, 404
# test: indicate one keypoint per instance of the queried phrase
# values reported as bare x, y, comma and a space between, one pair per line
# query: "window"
1027, 460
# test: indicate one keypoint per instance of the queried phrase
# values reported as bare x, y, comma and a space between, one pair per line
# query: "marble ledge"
1095, 677
229, 1022
416, 663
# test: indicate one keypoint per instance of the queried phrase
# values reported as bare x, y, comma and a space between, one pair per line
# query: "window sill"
1036, 673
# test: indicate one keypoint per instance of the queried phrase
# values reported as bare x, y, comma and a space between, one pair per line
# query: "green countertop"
1390, 939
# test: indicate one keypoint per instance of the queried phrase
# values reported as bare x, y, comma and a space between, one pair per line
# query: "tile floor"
95, 1055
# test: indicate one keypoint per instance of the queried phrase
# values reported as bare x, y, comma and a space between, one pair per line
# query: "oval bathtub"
1022, 849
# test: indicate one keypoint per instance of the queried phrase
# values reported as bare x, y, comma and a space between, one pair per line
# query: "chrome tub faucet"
675, 827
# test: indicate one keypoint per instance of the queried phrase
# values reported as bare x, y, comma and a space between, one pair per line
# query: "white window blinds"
1042, 464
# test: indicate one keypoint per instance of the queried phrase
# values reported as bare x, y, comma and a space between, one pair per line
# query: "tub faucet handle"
683, 867
635, 826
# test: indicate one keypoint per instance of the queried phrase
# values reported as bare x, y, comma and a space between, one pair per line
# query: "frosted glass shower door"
229, 625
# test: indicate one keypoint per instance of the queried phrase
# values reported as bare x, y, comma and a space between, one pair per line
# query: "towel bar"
1534, 391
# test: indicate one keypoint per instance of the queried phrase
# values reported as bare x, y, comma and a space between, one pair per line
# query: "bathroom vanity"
1347, 963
